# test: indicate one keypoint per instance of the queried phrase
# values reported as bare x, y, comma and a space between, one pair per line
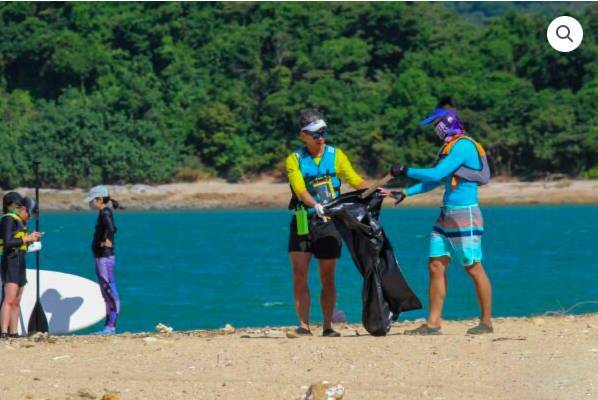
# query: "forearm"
428, 174
363, 185
108, 228
307, 199
422, 187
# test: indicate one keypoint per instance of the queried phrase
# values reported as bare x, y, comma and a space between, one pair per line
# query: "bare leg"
300, 263
11, 293
483, 290
328, 295
437, 269
13, 327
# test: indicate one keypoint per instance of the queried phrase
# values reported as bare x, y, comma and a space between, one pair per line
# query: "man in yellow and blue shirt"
315, 172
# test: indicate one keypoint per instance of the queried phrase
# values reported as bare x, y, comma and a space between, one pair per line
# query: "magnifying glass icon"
567, 35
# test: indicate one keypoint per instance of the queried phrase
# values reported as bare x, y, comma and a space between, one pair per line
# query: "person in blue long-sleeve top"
457, 234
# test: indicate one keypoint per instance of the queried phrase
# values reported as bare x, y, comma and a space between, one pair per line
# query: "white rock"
161, 328
325, 390
228, 328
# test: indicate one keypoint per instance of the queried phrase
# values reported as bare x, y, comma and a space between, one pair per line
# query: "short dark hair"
446, 102
108, 199
309, 116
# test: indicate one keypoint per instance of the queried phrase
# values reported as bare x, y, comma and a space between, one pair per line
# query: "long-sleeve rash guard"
104, 229
464, 153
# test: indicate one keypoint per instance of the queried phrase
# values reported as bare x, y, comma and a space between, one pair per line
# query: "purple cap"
448, 117
438, 113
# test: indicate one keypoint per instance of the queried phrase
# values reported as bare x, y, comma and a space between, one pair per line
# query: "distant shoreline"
269, 193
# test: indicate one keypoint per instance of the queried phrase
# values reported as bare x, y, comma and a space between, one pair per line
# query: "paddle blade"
38, 321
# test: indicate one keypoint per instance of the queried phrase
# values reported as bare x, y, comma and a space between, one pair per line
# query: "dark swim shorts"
323, 241
13, 270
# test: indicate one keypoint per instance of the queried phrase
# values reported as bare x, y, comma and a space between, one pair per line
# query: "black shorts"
323, 241
13, 269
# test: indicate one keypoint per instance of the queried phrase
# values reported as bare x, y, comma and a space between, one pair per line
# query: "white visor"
314, 126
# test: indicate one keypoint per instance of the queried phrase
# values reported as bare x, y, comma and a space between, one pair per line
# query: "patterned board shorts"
458, 234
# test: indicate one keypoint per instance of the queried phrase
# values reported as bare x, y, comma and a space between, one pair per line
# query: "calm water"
202, 269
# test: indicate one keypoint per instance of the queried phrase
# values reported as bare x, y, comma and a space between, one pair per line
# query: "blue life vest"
313, 173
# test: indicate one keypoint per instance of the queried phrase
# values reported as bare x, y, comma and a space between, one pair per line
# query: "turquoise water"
203, 269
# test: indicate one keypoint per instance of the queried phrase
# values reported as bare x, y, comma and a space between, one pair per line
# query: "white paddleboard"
70, 302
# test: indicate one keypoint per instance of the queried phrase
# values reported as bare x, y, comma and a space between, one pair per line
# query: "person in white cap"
102, 247
315, 172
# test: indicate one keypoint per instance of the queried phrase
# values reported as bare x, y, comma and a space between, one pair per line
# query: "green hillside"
155, 92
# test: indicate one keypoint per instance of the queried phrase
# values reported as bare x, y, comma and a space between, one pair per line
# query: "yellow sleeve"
294, 175
345, 171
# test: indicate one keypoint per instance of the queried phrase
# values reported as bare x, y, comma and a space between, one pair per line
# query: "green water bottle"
302, 222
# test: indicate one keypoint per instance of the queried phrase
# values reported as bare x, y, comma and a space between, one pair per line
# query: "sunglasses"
322, 132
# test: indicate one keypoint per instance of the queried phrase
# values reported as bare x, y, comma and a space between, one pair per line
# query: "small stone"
85, 394
28, 345
38, 336
150, 340
228, 328
291, 334
111, 396
325, 390
275, 334
161, 328
339, 317
538, 321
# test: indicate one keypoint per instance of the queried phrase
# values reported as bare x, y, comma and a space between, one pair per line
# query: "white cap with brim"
97, 191
314, 126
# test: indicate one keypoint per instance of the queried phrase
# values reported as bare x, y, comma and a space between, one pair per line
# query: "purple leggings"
105, 273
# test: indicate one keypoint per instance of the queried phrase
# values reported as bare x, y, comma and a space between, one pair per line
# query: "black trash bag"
385, 293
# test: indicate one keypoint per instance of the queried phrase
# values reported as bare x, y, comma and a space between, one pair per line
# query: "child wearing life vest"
14, 242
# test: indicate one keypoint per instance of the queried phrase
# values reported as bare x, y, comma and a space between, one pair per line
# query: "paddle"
38, 321
394, 172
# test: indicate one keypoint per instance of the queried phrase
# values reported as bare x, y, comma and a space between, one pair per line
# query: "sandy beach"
270, 193
540, 358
